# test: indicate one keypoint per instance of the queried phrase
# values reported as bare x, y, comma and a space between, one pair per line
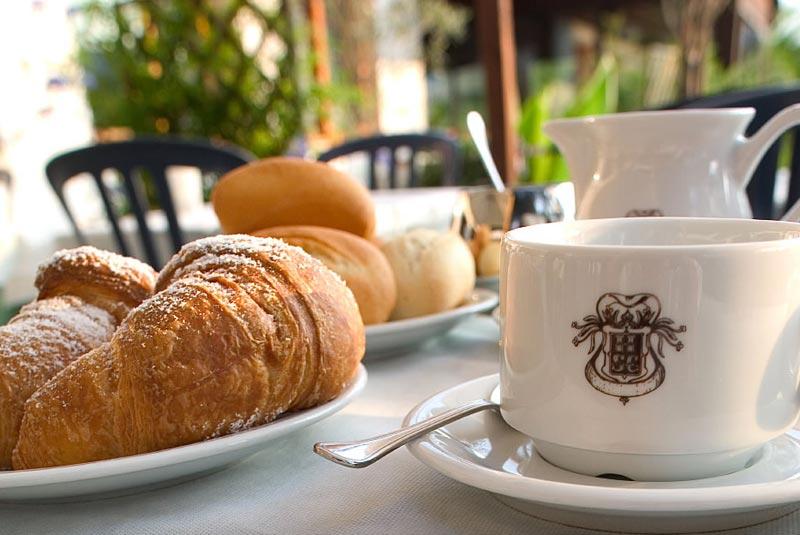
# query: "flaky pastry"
84, 294
241, 330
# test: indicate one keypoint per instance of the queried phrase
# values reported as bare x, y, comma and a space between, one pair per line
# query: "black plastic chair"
767, 102
392, 152
134, 160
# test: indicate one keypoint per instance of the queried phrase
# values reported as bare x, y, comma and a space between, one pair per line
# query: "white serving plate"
484, 452
127, 475
401, 336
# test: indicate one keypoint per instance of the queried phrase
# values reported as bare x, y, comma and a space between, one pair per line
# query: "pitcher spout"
577, 147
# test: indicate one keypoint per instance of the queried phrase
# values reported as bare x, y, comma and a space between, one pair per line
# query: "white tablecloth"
287, 489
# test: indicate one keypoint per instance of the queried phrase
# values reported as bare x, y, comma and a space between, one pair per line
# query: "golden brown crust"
113, 282
488, 263
84, 293
243, 329
361, 264
291, 191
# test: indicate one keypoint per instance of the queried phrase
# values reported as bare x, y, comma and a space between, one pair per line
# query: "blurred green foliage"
596, 96
203, 68
776, 61
443, 23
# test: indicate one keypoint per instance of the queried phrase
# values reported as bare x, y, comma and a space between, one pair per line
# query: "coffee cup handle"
750, 150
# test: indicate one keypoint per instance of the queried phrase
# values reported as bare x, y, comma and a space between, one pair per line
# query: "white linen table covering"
287, 489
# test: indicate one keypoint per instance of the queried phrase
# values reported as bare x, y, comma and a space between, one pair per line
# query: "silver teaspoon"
361, 453
477, 130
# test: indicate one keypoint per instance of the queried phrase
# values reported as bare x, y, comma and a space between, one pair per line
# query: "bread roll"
489, 259
433, 271
240, 331
289, 191
356, 260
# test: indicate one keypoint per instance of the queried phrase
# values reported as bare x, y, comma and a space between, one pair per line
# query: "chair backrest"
403, 150
133, 161
767, 102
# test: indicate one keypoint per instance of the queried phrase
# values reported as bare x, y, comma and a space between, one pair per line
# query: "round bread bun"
489, 259
433, 271
290, 191
357, 261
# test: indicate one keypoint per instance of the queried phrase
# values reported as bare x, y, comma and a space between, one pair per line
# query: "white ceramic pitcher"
693, 162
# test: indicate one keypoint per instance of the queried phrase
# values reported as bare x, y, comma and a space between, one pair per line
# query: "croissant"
241, 330
84, 294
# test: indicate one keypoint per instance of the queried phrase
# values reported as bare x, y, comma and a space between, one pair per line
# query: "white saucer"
137, 473
484, 452
401, 336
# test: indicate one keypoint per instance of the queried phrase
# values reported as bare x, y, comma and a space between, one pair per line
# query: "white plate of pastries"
401, 336
117, 378
127, 475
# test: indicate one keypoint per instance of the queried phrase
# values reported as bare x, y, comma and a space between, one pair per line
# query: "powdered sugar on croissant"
83, 295
241, 330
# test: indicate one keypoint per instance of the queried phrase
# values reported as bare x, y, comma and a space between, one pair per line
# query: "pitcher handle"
751, 150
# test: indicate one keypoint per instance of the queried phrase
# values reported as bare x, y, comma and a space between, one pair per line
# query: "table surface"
287, 489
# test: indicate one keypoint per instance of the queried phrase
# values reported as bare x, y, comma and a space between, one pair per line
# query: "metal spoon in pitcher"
477, 129
361, 453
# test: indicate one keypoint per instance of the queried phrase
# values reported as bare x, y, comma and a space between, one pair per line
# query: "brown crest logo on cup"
627, 338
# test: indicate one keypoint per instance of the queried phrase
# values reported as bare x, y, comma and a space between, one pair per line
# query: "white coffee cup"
653, 348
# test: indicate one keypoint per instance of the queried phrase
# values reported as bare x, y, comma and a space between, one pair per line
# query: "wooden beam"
495, 24
318, 21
